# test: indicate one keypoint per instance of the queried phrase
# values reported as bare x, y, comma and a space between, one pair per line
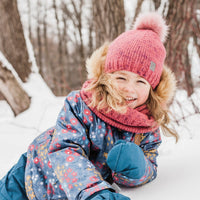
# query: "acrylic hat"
140, 50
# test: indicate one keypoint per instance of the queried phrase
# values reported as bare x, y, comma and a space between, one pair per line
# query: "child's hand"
108, 195
128, 159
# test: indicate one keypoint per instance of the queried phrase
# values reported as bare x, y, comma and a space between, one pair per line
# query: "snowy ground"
179, 164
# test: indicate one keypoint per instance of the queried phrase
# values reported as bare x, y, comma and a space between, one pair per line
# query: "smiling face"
132, 87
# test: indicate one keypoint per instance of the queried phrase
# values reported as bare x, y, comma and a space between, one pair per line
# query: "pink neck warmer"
134, 120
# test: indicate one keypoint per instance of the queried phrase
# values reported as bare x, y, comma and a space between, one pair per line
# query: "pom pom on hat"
140, 50
154, 22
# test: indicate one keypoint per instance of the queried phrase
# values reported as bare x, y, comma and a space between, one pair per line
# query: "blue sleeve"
69, 152
12, 185
149, 143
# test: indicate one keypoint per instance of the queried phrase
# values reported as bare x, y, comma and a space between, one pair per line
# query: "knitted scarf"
136, 120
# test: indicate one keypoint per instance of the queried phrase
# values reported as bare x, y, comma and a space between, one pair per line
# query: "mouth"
130, 99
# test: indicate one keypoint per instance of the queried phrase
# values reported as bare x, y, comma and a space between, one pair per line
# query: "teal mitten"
108, 195
128, 159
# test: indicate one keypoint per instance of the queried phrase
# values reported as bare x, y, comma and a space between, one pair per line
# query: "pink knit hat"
140, 50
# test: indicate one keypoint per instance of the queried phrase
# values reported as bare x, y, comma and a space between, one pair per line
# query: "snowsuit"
68, 161
12, 184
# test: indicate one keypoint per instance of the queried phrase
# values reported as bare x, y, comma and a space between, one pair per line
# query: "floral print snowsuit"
68, 161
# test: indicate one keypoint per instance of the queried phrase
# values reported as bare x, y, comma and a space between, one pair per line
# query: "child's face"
133, 88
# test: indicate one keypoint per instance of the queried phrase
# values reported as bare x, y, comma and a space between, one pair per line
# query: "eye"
120, 78
141, 81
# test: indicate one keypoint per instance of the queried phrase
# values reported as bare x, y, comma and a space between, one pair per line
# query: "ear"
95, 64
166, 88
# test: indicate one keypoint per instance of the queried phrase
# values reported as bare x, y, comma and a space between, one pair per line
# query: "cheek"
144, 94
118, 86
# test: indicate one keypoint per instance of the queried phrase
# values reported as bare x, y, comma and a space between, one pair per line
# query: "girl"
108, 132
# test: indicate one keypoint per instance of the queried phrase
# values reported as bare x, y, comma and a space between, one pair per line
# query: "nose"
130, 88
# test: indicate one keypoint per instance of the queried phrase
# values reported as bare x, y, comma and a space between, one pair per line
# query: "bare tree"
12, 42
180, 17
76, 17
13, 46
90, 35
108, 17
137, 10
29, 20
157, 3
196, 31
59, 33
14, 94
61, 70
39, 39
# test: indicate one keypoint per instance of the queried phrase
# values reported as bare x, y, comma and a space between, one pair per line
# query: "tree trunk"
48, 75
78, 10
61, 70
39, 40
14, 94
157, 3
180, 16
12, 42
29, 20
76, 16
108, 19
137, 10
